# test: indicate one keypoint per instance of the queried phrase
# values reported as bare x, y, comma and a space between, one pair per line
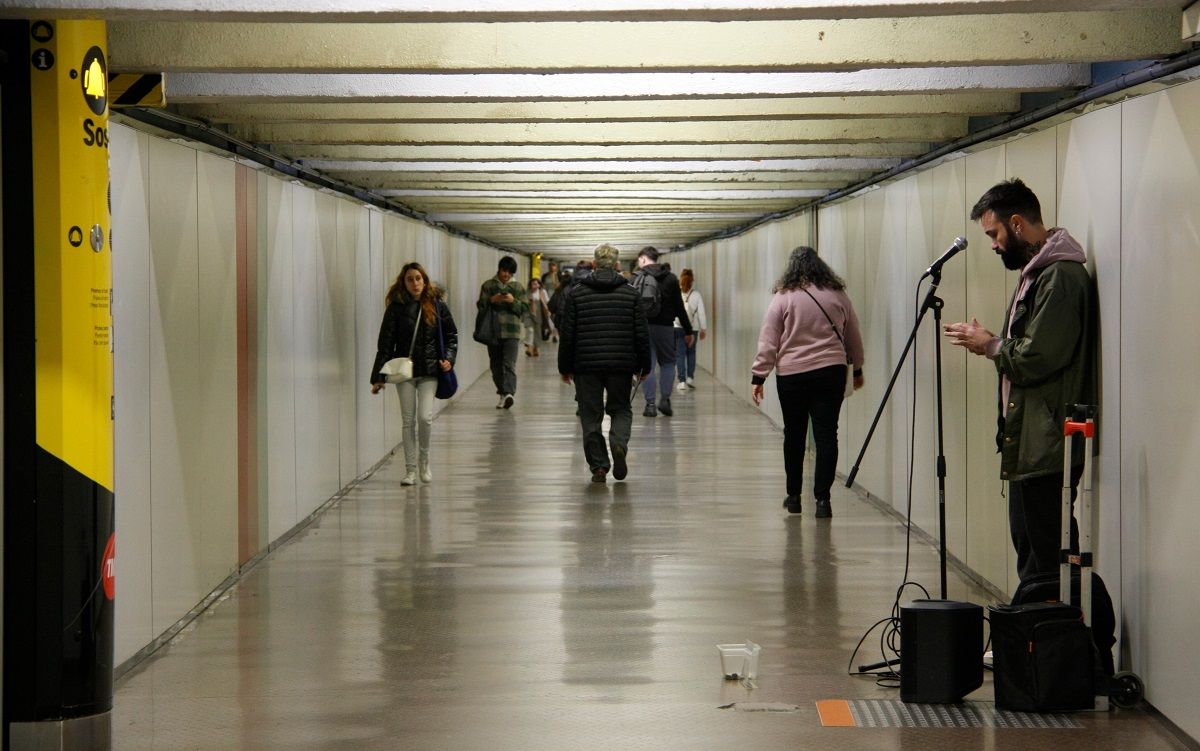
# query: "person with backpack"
662, 302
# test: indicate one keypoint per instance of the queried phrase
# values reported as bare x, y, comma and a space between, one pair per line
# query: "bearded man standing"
1045, 359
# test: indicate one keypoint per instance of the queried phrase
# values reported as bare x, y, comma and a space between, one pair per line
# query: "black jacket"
672, 306
603, 329
396, 333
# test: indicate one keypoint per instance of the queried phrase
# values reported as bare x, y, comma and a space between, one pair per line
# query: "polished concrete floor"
513, 604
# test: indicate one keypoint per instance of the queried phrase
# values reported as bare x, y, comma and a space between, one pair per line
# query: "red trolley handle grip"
1087, 428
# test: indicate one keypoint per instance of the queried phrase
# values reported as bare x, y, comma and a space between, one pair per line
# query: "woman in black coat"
410, 329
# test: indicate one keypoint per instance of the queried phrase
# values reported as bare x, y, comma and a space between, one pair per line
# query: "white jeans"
416, 412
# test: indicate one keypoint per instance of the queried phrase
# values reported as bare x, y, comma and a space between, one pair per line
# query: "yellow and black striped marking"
136, 90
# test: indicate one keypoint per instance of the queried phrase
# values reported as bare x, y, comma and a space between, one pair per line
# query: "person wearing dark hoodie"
1045, 359
662, 330
603, 346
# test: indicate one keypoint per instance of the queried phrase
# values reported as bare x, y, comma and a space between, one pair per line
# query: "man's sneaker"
650, 411
507, 401
500, 404
681, 386
792, 504
410, 478
598, 474
665, 407
691, 382
823, 510
620, 468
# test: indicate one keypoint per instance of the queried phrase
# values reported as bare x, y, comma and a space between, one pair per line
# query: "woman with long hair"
414, 320
809, 337
685, 354
537, 318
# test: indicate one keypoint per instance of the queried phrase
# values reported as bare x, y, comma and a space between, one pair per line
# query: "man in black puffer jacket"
603, 344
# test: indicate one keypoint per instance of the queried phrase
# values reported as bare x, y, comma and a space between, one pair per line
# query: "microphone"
960, 243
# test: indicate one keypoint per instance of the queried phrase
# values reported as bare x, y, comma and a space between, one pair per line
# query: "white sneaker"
500, 404
691, 382
410, 478
681, 386
426, 474
506, 401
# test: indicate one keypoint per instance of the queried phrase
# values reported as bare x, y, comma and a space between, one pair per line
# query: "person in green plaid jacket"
507, 296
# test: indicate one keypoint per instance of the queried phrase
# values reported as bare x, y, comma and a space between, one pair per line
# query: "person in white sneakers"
685, 353
416, 324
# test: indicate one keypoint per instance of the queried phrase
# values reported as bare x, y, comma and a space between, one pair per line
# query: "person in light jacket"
414, 301
693, 304
809, 337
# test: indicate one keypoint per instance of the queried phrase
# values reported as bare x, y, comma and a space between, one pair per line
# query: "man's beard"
1016, 252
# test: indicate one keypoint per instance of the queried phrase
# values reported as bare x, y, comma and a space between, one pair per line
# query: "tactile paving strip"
876, 713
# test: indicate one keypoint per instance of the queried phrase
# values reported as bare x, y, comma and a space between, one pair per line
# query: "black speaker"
941, 650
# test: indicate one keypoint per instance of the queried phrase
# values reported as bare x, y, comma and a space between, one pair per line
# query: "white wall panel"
351, 220
368, 304
306, 354
948, 221
1089, 206
216, 400
327, 365
1160, 439
176, 484
277, 347
128, 166
987, 289
1034, 159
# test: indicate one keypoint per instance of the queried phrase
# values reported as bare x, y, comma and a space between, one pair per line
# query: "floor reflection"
607, 595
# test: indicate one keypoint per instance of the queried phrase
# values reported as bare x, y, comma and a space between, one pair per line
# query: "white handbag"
397, 370
400, 369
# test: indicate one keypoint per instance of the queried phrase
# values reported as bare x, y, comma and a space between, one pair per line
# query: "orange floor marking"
835, 713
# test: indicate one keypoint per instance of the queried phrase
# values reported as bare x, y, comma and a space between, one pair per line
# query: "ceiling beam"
365, 156
656, 110
810, 45
191, 87
394, 11
938, 128
835, 164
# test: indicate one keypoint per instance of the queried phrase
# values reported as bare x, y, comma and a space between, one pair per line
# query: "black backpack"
649, 294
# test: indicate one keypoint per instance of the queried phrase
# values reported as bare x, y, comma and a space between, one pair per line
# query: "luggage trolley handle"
1082, 421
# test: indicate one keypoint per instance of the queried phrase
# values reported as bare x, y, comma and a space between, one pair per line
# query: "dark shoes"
507, 401
792, 504
823, 510
665, 407
598, 474
620, 468
650, 411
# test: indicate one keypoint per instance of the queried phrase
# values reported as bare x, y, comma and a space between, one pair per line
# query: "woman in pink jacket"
809, 337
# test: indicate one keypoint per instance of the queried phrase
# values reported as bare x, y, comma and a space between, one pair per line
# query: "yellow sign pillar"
73, 259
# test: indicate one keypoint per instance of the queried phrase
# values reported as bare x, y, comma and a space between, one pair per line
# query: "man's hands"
566, 378
703, 333
502, 297
756, 393
971, 335
688, 339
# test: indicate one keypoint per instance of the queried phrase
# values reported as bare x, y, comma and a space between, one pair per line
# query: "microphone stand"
934, 303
